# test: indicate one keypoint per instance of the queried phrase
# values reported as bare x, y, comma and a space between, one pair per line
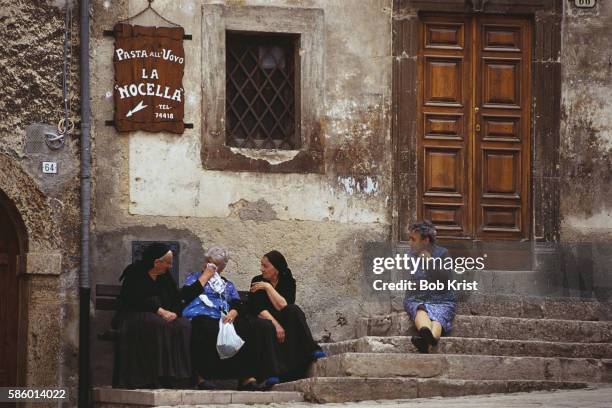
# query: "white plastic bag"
228, 341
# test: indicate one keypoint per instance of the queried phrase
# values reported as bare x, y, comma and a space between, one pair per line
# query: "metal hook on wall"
150, 7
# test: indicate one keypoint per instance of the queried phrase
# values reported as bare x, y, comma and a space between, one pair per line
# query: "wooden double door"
473, 142
9, 297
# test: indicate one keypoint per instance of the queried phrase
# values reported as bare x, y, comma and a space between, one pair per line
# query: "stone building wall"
586, 127
159, 186
45, 208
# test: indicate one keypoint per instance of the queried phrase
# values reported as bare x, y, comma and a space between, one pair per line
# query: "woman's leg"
299, 345
436, 329
264, 349
430, 330
242, 365
178, 353
206, 361
422, 319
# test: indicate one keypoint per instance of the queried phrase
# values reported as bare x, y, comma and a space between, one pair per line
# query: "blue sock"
270, 381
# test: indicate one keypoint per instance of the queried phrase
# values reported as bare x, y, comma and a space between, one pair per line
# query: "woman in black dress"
153, 349
273, 310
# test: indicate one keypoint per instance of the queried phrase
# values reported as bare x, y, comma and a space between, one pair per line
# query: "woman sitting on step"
153, 350
432, 310
274, 312
208, 295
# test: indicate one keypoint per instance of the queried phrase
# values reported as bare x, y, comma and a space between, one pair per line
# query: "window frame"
308, 24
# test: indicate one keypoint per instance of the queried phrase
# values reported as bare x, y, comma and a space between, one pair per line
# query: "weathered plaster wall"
154, 186
31, 59
586, 128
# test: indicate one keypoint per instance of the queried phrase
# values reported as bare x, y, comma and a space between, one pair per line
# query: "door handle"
478, 127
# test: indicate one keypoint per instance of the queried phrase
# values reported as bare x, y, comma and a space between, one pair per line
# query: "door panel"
502, 153
501, 84
473, 136
444, 74
8, 303
443, 79
444, 35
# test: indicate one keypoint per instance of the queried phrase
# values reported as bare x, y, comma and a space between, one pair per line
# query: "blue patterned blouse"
207, 302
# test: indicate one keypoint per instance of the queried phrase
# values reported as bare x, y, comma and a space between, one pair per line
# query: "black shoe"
206, 385
252, 386
420, 344
428, 336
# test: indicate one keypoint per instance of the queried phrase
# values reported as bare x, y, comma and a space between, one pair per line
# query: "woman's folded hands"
166, 314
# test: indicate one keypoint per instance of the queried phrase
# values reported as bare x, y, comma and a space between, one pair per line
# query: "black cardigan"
140, 293
260, 301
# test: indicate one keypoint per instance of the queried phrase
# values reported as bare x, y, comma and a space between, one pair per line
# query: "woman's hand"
260, 286
207, 273
231, 316
280, 333
167, 315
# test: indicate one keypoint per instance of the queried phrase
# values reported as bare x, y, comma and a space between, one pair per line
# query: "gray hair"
425, 228
217, 254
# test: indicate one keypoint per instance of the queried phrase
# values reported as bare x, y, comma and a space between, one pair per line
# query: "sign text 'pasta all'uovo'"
149, 68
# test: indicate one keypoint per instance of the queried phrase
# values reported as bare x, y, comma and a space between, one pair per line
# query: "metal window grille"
261, 91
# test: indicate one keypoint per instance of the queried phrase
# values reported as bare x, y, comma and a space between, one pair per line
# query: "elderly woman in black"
153, 349
272, 306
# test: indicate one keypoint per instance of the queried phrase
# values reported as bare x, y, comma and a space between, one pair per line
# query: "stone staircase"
500, 344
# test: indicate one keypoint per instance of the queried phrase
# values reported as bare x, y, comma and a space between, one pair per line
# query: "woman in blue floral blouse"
210, 297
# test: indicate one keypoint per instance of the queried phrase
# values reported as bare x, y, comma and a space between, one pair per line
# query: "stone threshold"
108, 397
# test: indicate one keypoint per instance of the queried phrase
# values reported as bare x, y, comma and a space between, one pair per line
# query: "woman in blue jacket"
432, 311
210, 297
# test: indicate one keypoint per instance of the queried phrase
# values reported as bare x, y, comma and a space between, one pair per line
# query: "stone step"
533, 307
467, 345
494, 327
463, 367
347, 389
107, 397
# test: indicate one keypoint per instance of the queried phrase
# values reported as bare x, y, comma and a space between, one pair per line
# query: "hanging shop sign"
149, 67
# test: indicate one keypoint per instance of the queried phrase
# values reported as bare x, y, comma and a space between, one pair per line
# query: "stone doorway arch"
29, 223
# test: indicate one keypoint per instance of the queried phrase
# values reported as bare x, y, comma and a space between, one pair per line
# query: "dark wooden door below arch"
9, 301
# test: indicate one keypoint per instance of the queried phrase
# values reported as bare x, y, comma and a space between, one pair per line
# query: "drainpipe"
84, 278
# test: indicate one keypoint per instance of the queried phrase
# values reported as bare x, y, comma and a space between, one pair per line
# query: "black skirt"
255, 358
152, 353
291, 358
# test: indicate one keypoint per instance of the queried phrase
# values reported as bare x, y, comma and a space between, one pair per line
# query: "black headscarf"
152, 252
280, 263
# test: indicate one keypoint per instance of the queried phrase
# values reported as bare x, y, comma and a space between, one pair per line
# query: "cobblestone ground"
586, 398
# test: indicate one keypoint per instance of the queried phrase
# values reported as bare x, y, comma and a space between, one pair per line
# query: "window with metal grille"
261, 89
